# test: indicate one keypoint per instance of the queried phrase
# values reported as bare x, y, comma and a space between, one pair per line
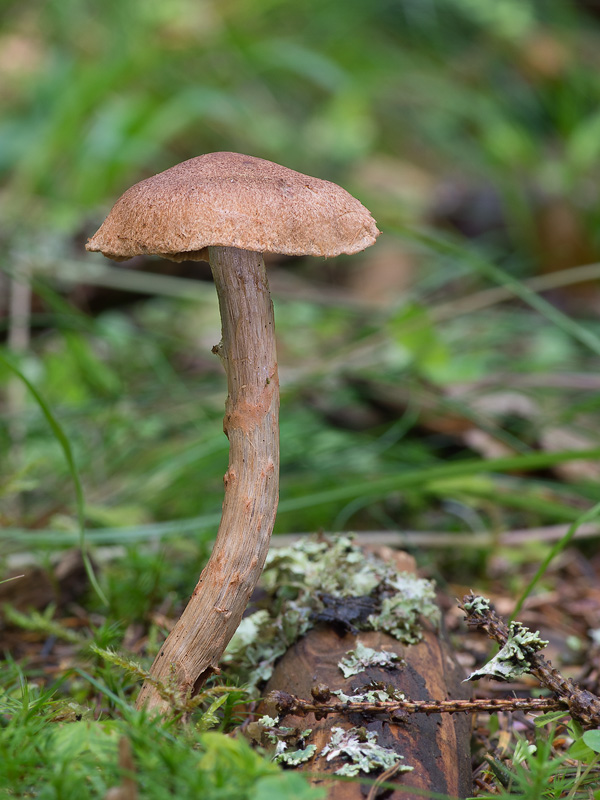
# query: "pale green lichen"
375, 693
246, 634
268, 722
267, 732
273, 731
332, 565
362, 657
400, 614
478, 605
292, 758
359, 747
325, 579
272, 635
514, 659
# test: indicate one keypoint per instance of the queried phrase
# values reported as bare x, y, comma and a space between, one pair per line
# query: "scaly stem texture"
192, 650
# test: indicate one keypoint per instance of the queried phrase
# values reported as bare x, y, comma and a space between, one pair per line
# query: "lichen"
292, 758
253, 659
478, 605
311, 582
332, 565
290, 746
514, 659
362, 657
375, 692
400, 614
246, 633
359, 748
268, 722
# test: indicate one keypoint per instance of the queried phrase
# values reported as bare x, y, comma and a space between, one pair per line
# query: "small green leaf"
579, 751
286, 786
592, 740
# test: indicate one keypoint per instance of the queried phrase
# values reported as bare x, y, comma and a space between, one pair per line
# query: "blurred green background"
469, 332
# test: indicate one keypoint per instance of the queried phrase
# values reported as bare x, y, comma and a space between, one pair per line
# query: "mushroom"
229, 209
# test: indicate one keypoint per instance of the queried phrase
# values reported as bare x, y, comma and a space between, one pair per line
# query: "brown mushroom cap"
233, 200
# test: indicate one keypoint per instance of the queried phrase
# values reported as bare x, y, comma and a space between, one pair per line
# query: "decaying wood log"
436, 746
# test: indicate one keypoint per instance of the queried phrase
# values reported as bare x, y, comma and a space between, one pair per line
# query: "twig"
12, 578
546, 533
285, 703
584, 706
498, 294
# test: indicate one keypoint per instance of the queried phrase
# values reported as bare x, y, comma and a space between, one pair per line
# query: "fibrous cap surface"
233, 200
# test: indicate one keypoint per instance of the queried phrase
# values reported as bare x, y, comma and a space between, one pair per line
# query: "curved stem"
193, 648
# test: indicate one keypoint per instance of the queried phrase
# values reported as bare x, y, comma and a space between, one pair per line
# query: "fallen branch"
582, 705
284, 703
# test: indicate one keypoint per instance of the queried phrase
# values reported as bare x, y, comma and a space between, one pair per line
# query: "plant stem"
193, 648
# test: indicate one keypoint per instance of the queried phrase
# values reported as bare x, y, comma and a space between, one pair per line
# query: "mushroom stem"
192, 650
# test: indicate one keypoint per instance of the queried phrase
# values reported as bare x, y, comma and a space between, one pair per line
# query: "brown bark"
193, 648
437, 746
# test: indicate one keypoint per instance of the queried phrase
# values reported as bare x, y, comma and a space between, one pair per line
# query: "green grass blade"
376, 488
482, 265
118, 701
589, 516
553, 314
420, 477
65, 445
